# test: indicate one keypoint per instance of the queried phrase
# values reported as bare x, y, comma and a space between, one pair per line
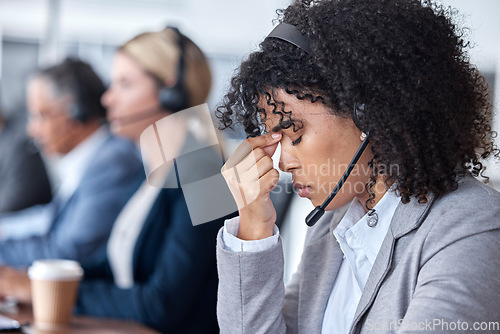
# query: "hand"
250, 176
16, 284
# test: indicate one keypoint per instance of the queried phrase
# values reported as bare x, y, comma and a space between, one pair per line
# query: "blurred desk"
82, 325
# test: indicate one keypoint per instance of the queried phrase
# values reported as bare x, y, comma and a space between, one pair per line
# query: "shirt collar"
71, 166
368, 238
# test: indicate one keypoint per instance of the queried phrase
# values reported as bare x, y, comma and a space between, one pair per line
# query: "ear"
170, 82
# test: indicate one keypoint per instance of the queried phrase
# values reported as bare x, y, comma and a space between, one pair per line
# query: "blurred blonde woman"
157, 268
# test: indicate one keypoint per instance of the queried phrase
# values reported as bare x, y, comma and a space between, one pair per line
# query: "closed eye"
296, 141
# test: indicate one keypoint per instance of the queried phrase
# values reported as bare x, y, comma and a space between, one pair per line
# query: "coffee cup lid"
55, 270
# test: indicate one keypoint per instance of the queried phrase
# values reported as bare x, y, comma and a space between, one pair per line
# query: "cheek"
319, 159
140, 100
125, 103
49, 130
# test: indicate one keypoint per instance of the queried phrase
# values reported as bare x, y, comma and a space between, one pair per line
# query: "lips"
302, 190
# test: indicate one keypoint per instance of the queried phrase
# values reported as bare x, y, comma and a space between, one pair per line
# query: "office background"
37, 33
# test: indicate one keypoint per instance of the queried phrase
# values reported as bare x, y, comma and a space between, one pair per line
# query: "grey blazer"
438, 270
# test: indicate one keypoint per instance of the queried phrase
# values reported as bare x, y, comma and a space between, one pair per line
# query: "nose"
32, 128
288, 162
107, 98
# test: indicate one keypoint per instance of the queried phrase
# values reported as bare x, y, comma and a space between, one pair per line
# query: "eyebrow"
282, 126
289, 124
276, 128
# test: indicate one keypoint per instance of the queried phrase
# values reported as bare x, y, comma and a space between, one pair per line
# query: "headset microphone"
318, 211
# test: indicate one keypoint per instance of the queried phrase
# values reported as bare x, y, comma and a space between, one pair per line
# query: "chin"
49, 150
316, 202
129, 132
49, 153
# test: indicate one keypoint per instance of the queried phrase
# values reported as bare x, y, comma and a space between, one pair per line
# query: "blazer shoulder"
471, 209
116, 161
472, 199
119, 146
117, 152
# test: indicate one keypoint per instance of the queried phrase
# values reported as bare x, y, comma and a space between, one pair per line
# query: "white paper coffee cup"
54, 286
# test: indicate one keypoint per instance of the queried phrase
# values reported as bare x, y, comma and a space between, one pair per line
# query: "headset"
79, 111
176, 98
292, 35
171, 99
85, 90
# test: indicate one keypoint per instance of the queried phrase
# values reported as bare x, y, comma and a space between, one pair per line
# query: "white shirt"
73, 165
360, 245
70, 169
125, 232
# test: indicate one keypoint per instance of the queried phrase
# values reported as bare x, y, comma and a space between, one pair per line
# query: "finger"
248, 171
250, 144
264, 165
265, 184
269, 181
269, 150
264, 140
250, 160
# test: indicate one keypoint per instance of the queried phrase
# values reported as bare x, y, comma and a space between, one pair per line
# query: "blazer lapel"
406, 218
321, 263
60, 205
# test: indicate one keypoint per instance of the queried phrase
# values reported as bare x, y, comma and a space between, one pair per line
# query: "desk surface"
81, 325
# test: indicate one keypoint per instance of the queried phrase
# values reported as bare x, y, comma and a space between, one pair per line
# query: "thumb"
270, 149
270, 142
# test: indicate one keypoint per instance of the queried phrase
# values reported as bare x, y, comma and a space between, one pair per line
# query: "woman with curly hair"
409, 243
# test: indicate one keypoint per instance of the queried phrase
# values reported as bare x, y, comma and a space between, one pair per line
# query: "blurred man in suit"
98, 172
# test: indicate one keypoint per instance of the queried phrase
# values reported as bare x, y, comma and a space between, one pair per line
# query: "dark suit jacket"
174, 271
23, 178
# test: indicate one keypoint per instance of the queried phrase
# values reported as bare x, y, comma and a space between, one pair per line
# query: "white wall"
226, 30
218, 26
481, 16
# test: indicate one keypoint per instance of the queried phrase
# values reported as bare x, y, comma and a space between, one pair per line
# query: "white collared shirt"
71, 167
360, 245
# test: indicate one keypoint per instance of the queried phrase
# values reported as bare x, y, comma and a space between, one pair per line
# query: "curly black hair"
427, 107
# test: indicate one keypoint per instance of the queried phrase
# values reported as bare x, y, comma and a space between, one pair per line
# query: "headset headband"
182, 48
291, 34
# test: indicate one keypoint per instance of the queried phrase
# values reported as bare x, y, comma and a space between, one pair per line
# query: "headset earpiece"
78, 113
358, 116
175, 98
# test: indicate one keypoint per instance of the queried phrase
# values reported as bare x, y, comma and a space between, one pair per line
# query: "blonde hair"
158, 54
